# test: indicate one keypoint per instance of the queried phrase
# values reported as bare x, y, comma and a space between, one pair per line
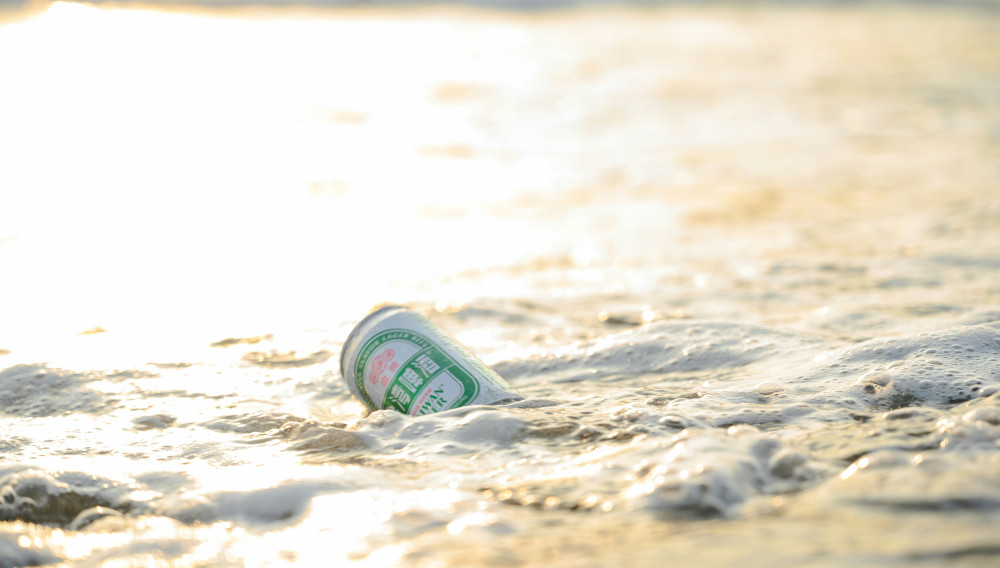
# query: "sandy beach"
741, 260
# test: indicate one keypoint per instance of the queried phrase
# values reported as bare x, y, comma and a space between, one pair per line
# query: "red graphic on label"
382, 367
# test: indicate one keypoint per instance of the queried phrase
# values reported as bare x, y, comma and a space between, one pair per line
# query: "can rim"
351, 337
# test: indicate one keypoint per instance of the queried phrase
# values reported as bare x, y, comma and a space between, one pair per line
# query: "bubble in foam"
38, 497
910, 379
711, 473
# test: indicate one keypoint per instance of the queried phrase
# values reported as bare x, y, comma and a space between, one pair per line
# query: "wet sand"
741, 262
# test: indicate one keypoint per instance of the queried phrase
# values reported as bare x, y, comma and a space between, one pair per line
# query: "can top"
353, 336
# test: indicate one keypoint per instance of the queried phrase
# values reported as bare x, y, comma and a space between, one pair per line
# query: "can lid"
353, 336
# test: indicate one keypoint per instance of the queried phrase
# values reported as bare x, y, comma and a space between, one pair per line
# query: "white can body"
395, 358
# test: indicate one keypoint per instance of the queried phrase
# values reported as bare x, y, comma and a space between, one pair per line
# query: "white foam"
13, 554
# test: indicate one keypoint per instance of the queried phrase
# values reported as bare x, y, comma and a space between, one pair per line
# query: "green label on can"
428, 381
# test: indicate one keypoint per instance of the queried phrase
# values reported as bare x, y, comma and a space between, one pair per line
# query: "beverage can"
396, 358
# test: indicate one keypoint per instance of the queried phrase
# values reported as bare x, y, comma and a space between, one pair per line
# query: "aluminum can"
395, 358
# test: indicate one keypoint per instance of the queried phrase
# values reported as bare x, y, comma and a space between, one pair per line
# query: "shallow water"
741, 261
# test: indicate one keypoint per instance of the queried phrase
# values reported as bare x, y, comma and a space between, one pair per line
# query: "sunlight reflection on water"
271, 167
